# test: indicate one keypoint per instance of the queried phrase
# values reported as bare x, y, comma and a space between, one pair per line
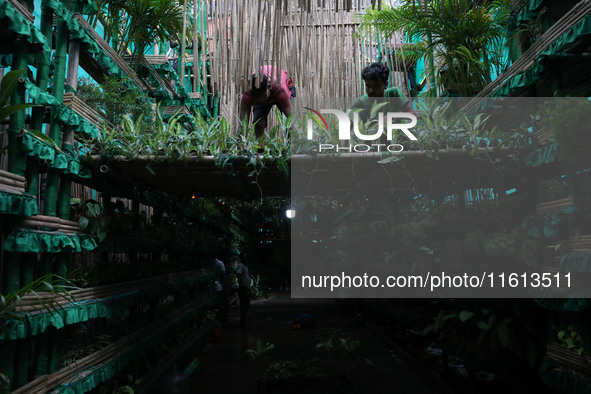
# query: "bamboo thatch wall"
313, 40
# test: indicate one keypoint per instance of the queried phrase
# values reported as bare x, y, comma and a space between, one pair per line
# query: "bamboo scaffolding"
22, 10
580, 243
82, 109
11, 189
543, 135
37, 304
71, 373
152, 376
12, 183
110, 52
550, 207
10, 175
525, 61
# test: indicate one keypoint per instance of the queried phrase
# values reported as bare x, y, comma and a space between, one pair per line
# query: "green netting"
29, 241
533, 73
543, 155
548, 226
42, 150
563, 379
22, 26
13, 204
576, 262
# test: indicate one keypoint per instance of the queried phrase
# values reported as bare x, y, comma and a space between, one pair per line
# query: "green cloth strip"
34, 324
42, 150
62, 113
29, 241
14, 204
22, 26
105, 371
532, 74
529, 11
576, 262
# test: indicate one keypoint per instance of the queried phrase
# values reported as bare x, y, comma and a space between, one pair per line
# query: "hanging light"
290, 213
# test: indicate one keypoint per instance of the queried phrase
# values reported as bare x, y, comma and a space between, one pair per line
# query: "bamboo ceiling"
313, 40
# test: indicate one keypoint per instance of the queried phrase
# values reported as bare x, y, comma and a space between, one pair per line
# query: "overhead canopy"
198, 176
415, 172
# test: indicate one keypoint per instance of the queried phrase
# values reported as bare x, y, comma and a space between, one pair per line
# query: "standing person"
265, 92
221, 291
375, 77
243, 288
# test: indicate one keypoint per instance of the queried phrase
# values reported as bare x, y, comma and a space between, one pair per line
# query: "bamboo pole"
204, 49
181, 57
195, 43
12, 183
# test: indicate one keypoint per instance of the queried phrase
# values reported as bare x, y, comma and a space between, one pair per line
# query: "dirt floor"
356, 360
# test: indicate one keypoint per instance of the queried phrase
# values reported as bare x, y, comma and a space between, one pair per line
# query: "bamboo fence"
314, 41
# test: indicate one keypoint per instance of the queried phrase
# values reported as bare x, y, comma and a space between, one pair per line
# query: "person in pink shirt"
266, 92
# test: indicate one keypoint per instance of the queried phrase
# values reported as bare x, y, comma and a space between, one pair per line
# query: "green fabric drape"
29, 241
22, 26
89, 7
24, 325
13, 204
42, 150
62, 113
576, 262
92, 377
532, 74
529, 11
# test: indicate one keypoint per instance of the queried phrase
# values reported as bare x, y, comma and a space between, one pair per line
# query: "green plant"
257, 289
7, 86
90, 217
570, 337
464, 39
260, 351
48, 283
115, 98
138, 24
285, 371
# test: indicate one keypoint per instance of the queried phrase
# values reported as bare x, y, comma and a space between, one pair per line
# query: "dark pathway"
226, 368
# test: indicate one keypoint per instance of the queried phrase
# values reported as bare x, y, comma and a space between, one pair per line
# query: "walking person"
221, 291
243, 288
